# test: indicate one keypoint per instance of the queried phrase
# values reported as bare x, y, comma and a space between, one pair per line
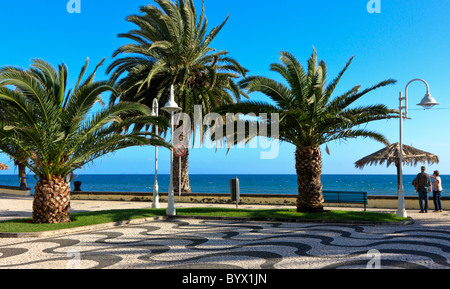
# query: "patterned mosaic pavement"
210, 244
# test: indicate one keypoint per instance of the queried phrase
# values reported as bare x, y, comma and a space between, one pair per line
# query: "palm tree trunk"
308, 164
51, 201
22, 176
185, 185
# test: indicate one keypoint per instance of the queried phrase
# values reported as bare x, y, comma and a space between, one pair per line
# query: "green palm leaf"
60, 135
171, 45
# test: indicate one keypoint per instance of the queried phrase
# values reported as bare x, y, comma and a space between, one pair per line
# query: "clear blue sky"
408, 39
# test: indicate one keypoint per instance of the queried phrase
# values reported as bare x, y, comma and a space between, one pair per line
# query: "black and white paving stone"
211, 244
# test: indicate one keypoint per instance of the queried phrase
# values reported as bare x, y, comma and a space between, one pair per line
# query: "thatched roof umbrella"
391, 153
3, 167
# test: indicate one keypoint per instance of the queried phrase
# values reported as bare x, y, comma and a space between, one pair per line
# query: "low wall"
411, 202
8, 190
388, 202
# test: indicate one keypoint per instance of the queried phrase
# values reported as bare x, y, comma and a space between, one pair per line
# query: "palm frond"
308, 115
171, 46
53, 136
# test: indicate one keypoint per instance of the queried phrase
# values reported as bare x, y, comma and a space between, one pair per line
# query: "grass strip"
101, 217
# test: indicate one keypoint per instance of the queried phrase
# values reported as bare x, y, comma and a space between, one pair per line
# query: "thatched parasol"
3, 167
391, 153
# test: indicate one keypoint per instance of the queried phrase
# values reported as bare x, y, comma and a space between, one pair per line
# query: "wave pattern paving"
210, 244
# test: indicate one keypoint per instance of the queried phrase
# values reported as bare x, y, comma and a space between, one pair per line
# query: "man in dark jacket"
423, 187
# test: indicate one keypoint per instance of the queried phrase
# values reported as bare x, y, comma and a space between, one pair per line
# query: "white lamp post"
155, 204
171, 107
427, 102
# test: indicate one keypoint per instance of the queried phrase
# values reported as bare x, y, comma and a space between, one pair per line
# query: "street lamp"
171, 107
427, 102
155, 204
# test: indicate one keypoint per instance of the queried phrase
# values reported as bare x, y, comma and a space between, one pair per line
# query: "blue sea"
264, 184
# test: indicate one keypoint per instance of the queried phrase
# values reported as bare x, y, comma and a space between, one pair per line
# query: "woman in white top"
436, 184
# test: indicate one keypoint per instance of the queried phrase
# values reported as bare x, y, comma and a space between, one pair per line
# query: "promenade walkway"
225, 244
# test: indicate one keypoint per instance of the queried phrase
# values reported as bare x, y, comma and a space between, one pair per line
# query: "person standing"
423, 187
436, 184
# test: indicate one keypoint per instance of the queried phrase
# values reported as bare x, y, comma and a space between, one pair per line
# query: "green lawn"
100, 217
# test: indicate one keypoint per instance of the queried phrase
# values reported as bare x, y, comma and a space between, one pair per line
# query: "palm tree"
54, 132
172, 47
309, 117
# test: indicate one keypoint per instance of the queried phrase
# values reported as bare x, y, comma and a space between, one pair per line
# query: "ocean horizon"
249, 183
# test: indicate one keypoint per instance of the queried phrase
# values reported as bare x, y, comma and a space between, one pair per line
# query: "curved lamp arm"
417, 79
406, 94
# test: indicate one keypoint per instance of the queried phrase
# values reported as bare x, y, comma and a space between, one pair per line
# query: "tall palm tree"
309, 117
172, 47
54, 132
